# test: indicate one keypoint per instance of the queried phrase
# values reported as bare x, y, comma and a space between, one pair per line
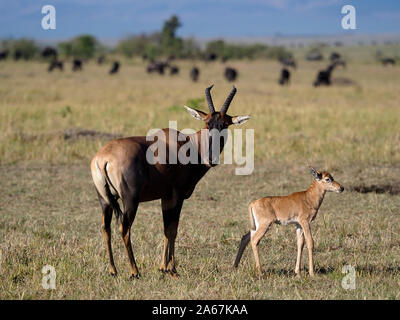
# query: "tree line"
163, 43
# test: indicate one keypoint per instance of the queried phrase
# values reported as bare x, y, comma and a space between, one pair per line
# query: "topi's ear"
199, 115
317, 175
240, 119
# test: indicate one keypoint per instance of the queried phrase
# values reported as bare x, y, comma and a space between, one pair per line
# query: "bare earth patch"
71, 133
379, 189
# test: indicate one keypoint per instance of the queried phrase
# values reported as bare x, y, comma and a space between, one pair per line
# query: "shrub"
84, 46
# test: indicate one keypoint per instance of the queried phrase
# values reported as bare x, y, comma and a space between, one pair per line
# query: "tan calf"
299, 208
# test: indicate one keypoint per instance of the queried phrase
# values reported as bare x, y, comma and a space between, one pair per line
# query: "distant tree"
170, 27
153, 51
241, 51
279, 53
84, 46
170, 43
65, 48
164, 43
190, 49
217, 47
140, 45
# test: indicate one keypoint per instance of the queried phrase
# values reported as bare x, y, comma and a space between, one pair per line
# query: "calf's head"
326, 181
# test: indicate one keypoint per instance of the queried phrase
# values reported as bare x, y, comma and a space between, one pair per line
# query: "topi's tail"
113, 200
243, 243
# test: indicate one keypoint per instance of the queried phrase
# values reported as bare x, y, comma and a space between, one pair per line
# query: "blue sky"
200, 18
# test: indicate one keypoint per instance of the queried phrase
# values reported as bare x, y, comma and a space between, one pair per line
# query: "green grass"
49, 213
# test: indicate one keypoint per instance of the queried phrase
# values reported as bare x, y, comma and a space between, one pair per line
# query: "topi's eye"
327, 180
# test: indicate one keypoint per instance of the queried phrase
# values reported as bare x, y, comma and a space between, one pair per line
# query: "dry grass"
49, 212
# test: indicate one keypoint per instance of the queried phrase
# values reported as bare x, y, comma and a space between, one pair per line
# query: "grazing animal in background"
335, 56
55, 64
194, 74
230, 74
288, 62
49, 52
173, 70
324, 76
224, 59
211, 57
17, 54
121, 170
115, 67
4, 54
285, 77
314, 56
101, 59
76, 65
157, 66
387, 61
299, 208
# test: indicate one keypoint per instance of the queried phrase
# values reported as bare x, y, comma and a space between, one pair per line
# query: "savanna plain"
50, 215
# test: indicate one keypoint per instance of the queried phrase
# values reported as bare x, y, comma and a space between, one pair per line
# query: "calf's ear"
317, 175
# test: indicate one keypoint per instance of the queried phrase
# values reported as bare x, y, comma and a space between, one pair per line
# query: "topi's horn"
209, 99
228, 101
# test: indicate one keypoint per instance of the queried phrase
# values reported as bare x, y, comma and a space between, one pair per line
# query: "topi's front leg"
171, 213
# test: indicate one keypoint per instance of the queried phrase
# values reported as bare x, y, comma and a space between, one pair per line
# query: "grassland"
49, 212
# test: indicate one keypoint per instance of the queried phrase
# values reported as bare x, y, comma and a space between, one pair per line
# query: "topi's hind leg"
106, 231
125, 230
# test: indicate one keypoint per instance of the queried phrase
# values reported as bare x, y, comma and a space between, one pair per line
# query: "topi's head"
216, 122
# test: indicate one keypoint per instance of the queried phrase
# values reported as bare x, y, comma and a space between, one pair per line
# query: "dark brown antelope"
76, 65
115, 67
194, 74
324, 76
285, 77
230, 74
121, 170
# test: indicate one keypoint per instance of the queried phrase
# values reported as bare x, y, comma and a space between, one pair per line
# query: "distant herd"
323, 77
